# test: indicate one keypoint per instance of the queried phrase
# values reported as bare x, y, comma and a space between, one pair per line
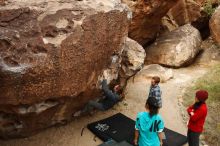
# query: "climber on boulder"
109, 99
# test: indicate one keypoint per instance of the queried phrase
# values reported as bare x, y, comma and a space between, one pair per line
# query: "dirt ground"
136, 94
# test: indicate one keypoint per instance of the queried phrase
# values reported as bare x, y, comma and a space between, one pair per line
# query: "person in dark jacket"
197, 113
109, 99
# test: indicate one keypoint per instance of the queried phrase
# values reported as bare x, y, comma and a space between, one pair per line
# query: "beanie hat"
202, 95
152, 101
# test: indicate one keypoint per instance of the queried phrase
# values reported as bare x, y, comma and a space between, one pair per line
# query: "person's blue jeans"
93, 105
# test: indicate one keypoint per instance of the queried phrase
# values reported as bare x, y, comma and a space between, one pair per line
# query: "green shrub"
208, 8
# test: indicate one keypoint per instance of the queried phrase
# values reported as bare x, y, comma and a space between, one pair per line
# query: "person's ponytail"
197, 105
153, 110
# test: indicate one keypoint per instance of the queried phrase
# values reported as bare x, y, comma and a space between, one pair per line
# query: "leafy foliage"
208, 8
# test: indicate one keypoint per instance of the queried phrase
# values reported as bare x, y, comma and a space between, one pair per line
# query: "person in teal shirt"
149, 125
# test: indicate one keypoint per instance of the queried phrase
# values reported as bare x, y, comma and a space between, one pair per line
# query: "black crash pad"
121, 128
114, 143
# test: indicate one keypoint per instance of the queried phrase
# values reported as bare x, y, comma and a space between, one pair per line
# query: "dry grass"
211, 83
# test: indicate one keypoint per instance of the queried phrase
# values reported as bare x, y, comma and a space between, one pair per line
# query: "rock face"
133, 57
154, 70
185, 11
2, 2
51, 56
176, 48
146, 21
215, 25
196, 12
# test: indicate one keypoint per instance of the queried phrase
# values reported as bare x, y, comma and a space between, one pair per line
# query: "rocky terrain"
54, 53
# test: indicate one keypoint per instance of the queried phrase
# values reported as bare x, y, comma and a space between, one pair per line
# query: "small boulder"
154, 70
176, 48
133, 57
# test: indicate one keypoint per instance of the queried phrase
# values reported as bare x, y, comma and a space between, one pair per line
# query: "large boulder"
196, 12
2, 2
52, 54
146, 20
148, 71
176, 48
215, 25
185, 11
133, 57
